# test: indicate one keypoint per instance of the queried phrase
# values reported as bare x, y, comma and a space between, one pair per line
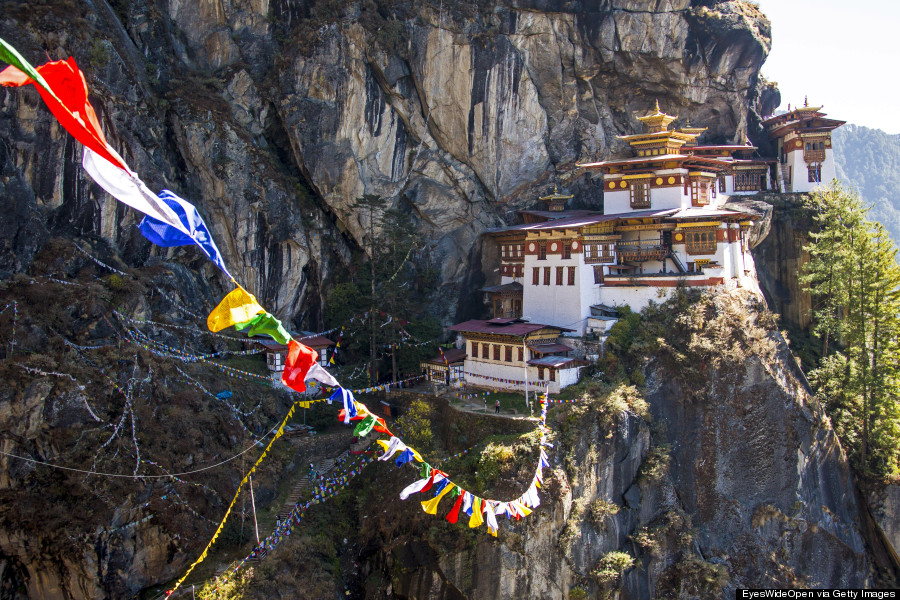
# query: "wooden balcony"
812, 156
641, 251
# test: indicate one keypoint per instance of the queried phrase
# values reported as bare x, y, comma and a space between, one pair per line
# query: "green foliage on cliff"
854, 280
868, 160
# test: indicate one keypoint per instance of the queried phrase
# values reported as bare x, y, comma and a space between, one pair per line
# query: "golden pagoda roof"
657, 120
692, 130
556, 195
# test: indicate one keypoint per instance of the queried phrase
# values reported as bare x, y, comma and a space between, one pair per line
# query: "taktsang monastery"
664, 224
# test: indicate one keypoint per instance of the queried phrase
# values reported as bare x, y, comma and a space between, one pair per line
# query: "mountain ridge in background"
868, 160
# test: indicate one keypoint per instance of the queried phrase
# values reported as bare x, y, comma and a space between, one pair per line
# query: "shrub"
656, 463
416, 425
600, 509
611, 566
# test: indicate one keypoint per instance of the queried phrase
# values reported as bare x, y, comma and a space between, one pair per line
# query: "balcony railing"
641, 250
814, 155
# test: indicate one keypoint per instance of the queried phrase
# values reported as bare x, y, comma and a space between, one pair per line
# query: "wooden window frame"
559, 275
598, 274
542, 251
521, 358
496, 351
546, 275
699, 192
536, 276
814, 173
571, 275
566, 250
639, 193
700, 241
508, 353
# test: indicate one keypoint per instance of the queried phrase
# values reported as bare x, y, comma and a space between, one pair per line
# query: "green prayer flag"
265, 324
455, 492
364, 427
424, 470
10, 55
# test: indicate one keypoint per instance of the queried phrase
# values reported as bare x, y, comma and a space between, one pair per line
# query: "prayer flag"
163, 234
64, 90
476, 519
238, 306
266, 324
319, 373
364, 427
430, 506
404, 458
299, 360
453, 515
127, 188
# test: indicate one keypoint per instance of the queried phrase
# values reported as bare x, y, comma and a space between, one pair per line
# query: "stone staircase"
303, 486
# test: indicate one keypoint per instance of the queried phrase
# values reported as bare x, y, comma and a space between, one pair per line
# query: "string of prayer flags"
194, 230
300, 359
63, 88
336, 347
239, 306
265, 323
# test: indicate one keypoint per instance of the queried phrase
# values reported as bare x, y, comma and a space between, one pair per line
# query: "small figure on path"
497, 406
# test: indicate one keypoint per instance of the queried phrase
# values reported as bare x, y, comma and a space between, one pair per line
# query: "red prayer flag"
299, 359
453, 515
70, 104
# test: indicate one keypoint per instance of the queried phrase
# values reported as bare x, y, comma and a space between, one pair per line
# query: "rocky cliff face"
734, 480
274, 116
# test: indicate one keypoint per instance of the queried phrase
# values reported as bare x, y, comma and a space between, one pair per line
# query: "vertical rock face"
273, 116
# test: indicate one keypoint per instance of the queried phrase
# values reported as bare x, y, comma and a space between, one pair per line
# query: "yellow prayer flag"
237, 307
477, 518
430, 506
416, 455
525, 510
383, 443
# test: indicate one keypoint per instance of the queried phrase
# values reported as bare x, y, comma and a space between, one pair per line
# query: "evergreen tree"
854, 280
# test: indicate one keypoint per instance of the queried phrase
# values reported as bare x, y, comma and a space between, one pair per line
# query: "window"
815, 173
749, 181
606, 253
546, 275
485, 350
496, 351
536, 276
542, 250
640, 193
598, 274
508, 353
520, 355
559, 275
504, 251
571, 275
722, 184
699, 192
540, 372
474, 350
567, 249
700, 241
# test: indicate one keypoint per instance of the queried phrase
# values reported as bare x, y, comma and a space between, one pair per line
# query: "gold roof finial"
657, 106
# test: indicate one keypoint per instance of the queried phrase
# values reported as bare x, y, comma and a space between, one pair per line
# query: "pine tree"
854, 280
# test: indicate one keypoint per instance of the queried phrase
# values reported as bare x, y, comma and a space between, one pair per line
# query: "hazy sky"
844, 55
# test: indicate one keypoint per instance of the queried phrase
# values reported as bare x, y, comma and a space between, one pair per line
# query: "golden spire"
657, 120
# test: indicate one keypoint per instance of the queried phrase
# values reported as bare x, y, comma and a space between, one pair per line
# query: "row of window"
602, 253
536, 275
749, 181
494, 351
512, 250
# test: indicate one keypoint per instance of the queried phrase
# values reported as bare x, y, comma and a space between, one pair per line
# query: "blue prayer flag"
163, 234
